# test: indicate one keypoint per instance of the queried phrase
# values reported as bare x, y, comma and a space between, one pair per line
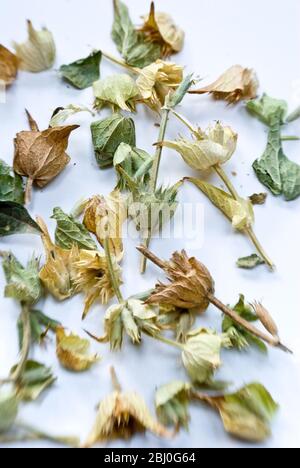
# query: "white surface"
264, 35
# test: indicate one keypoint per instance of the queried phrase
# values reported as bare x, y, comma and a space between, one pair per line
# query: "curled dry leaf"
156, 81
250, 262
216, 146
93, 278
171, 401
160, 28
120, 416
41, 156
58, 273
38, 52
247, 413
9, 64
240, 212
64, 113
191, 284
72, 351
104, 217
236, 84
117, 92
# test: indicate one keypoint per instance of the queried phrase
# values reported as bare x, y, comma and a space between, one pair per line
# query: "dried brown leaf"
236, 84
8, 66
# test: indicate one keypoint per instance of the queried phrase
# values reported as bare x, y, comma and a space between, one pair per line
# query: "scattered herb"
35, 379
64, 114
248, 263
72, 352
11, 185
171, 401
135, 163
119, 92
70, 232
84, 72
15, 219
40, 325
258, 198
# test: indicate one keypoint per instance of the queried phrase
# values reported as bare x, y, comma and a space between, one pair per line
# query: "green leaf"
9, 405
70, 232
117, 92
240, 213
266, 107
108, 134
23, 284
15, 219
135, 162
248, 263
239, 337
176, 98
11, 185
36, 378
247, 413
171, 401
131, 44
40, 323
84, 72
274, 169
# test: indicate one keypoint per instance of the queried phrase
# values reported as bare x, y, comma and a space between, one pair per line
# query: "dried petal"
72, 352
121, 415
160, 28
236, 84
8, 66
38, 52
191, 284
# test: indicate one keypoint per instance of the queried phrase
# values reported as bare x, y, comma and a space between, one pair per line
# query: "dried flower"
38, 53
236, 84
160, 28
216, 146
92, 278
191, 283
156, 80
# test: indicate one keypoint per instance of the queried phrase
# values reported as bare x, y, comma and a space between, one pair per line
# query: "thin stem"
184, 121
115, 381
150, 256
25, 318
155, 171
120, 62
111, 270
290, 138
251, 234
222, 174
275, 342
28, 191
167, 341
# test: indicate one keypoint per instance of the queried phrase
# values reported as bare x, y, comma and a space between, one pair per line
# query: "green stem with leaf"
230, 187
121, 63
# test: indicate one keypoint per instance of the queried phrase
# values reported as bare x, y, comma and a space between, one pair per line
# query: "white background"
263, 35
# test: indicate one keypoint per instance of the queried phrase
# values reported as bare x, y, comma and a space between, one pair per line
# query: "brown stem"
28, 191
275, 342
152, 257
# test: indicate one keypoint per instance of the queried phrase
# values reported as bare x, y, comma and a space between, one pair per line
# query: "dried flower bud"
191, 284
265, 317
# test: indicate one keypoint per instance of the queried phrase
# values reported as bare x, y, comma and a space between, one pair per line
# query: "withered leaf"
83, 73
171, 401
236, 84
38, 52
70, 233
9, 406
117, 92
40, 324
248, 263
258, 198
8, 66
35, 379
11, 185
15, 219
104, 216
41, 156
72, 351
